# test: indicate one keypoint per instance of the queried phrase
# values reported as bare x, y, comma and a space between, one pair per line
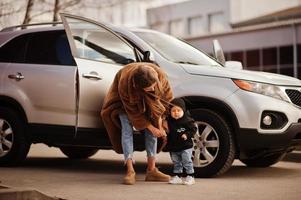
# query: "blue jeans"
182, 159
127, 139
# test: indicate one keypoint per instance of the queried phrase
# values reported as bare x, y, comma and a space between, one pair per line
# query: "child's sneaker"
189, 180
175, 180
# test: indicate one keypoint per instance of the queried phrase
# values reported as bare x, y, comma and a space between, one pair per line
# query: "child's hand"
184, 136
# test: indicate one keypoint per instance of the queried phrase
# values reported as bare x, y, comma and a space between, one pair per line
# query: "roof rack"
25, 26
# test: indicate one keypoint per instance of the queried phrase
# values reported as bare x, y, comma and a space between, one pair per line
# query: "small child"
181, 129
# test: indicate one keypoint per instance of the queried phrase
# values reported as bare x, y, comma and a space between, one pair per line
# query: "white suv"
53, 80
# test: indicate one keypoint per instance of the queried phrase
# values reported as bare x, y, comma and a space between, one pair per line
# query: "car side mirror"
147, 56
218, 52
233, 65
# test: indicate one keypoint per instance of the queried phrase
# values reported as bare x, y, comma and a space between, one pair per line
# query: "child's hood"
180, 103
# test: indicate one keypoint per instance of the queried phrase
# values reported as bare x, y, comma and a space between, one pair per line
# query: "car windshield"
175, 50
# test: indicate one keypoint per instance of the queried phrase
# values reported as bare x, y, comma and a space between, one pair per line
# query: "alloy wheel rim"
205, 145
6, 137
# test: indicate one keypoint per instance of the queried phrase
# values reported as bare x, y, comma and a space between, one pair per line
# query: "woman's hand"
165, 125
156, 132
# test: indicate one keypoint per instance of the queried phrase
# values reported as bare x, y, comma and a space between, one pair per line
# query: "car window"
176, 50
50, 47
14, 50
96, 43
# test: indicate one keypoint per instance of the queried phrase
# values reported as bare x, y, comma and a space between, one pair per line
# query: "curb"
23, 194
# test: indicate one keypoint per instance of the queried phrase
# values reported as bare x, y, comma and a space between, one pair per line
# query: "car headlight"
262, 88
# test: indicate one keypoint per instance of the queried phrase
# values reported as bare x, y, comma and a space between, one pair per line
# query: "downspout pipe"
295, 34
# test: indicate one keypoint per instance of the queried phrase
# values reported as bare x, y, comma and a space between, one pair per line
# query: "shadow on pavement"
293, 157
268, 172
255, 173
87, 166
117, 167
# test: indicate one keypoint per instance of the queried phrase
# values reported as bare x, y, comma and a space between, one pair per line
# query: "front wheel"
78, 152
264, 161
213, 148
14, 145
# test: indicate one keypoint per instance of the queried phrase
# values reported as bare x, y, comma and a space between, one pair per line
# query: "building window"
159, 27
286, 60
228, 56
217, 22
299, 53
269, 59
197, 26
286, 55
238, 56
253, 59
177, 27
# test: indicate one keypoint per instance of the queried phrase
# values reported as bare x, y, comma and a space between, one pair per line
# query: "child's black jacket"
176, 129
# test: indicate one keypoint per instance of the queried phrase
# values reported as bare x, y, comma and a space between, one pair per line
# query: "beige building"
130, 13
264, 35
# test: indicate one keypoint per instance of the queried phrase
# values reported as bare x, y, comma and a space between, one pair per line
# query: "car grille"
295, 96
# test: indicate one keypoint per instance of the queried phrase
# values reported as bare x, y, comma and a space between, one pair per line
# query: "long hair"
144, 77
155, 105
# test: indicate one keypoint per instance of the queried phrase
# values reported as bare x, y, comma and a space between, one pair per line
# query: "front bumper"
253, 144
249, 108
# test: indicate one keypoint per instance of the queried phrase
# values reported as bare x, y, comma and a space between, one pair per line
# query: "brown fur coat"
124, 97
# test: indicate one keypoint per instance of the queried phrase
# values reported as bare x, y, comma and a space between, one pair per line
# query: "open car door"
99, 54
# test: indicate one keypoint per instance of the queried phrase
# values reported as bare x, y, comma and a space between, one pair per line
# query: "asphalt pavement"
49, 172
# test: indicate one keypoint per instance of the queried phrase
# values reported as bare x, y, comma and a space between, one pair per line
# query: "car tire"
214, 148
78, 152
14, 145
264, 161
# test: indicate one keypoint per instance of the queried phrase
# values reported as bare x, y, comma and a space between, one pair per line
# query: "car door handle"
92, 76
17, 76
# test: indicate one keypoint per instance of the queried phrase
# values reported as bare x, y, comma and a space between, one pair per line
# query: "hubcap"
205, 145
6, 137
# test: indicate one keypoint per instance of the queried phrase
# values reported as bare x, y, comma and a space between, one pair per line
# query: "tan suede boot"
156, 175
130, 178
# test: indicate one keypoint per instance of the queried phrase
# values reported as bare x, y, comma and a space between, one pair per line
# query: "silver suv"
53, 80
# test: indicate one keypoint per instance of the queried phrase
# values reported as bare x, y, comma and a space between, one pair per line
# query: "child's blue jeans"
127, 139
182, 159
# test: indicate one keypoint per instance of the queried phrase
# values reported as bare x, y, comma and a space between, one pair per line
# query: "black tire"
264, 161
222, 148
12, 130
78, 152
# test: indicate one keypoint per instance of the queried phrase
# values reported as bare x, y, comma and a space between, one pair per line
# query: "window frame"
71, 40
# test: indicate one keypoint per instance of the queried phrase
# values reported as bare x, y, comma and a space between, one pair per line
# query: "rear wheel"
78, 152
264, 161
214, 148
14, 145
